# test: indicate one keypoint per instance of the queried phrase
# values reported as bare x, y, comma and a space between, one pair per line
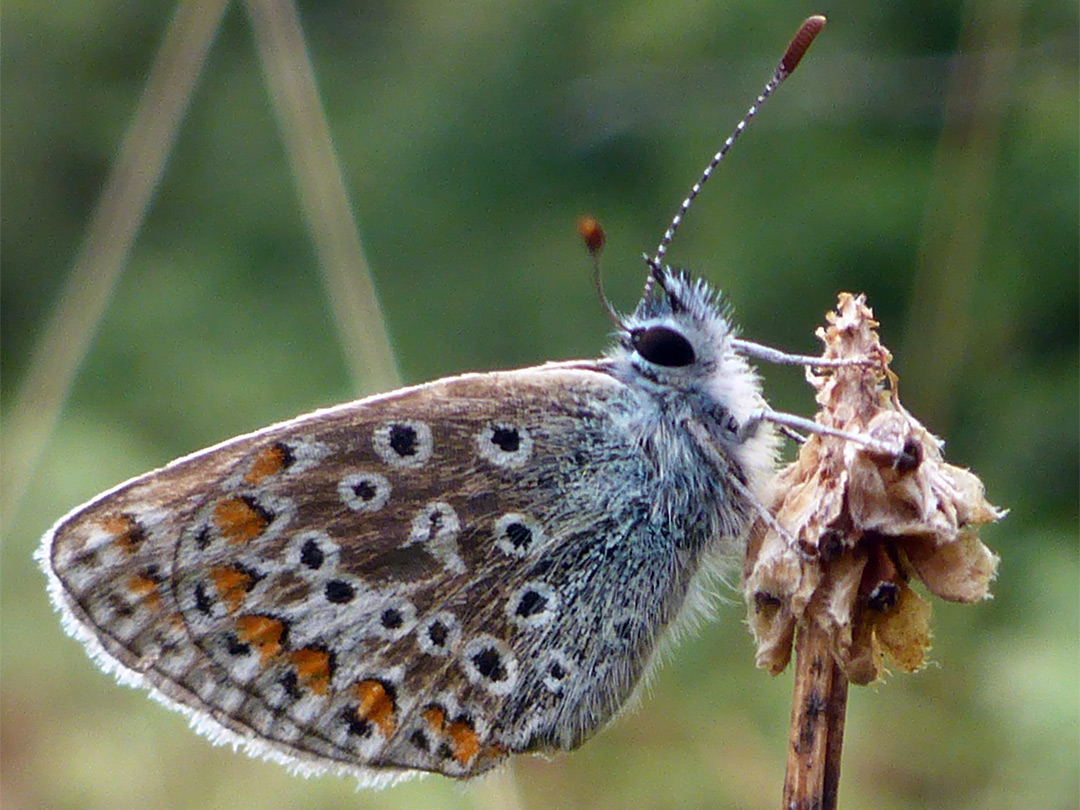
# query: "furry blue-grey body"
430, 579
678, 514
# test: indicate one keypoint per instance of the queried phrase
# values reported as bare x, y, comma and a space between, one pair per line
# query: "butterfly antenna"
796, 49
592, 234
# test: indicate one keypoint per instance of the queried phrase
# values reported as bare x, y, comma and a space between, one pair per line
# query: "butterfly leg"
899, 452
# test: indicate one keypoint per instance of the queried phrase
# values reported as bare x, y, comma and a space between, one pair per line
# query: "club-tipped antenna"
796, 49
592, 234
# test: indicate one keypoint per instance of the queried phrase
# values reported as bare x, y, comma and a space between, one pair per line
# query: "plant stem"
816, 735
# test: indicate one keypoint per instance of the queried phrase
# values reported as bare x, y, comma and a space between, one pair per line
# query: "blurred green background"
925, 153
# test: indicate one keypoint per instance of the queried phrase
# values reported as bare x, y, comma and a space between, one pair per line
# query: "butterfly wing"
424, 580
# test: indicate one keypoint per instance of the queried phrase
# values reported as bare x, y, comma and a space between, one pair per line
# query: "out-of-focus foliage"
471, 135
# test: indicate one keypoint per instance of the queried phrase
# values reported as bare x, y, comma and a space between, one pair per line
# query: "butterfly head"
679, 332
677, 347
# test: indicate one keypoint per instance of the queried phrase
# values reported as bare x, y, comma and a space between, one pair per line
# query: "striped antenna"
792, 56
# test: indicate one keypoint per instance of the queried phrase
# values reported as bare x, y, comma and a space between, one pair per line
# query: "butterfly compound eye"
663, 346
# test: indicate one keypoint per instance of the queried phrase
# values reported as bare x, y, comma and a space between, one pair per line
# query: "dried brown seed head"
865, 523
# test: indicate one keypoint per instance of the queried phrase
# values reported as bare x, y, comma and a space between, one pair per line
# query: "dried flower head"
861, 523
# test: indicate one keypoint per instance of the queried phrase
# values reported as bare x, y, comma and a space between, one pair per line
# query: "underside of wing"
424, 580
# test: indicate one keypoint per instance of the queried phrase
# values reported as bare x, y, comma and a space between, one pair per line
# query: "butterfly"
438, 577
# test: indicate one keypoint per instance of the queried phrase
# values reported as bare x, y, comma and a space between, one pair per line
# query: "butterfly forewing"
377, 584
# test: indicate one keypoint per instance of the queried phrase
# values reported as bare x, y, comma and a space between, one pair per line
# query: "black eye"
663, 346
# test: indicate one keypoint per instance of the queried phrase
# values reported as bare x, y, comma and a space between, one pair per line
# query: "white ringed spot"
534, 604
557, 667
395, 619
439, 634
505, 444
404, 443
517, 534
488, 662
311, 551
364, 491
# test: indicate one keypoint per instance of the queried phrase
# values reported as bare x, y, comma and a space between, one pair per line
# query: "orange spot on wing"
232, 584
146, 589
435, 718
312, 668
241, 519
376, 705
465, 743
264, 633
270, 461
129, 534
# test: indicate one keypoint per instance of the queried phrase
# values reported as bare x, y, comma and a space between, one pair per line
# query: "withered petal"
959, 571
